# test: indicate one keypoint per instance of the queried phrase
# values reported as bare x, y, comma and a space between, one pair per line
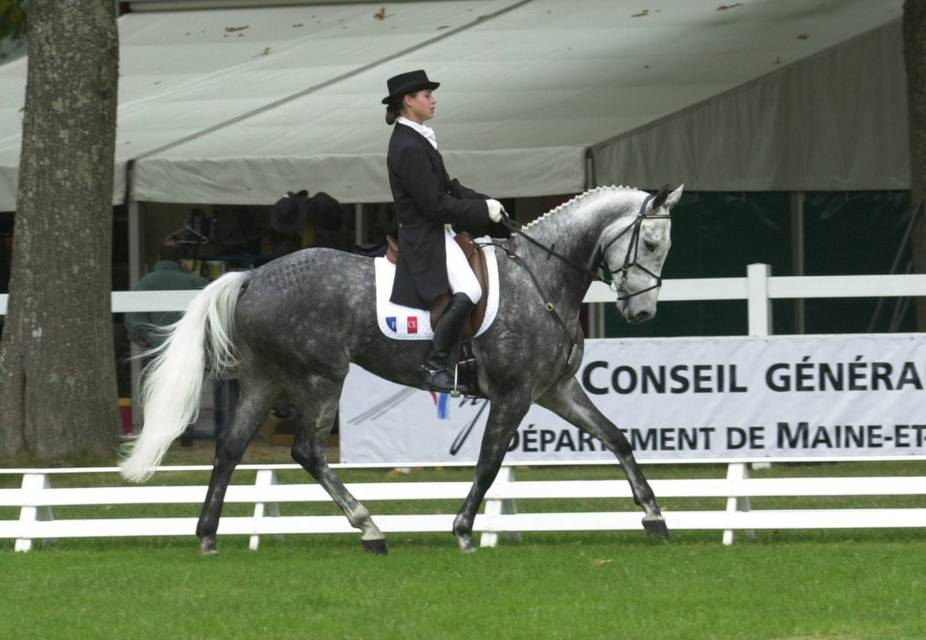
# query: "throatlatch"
630, 260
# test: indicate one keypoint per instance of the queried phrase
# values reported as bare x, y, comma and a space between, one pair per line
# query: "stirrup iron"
455, 392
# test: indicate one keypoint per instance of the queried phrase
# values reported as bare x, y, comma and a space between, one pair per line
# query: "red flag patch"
412, 324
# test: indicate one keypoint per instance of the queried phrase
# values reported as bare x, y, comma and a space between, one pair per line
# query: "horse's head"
635, 251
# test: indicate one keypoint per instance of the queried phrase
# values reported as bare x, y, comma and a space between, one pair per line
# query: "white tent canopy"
836, 121
237, 105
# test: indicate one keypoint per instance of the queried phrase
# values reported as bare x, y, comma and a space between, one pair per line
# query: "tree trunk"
58, 396
914, 46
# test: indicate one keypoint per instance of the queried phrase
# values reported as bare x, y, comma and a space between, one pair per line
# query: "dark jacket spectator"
144, 328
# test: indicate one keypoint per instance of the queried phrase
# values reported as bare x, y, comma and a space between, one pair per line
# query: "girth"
477, 262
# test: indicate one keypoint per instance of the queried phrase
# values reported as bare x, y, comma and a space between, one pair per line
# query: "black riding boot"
438, 376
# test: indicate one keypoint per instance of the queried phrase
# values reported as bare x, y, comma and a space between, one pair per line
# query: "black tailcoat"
425, 200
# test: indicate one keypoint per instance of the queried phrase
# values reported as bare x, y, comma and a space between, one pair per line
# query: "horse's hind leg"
318, 401
569, 401
256, 397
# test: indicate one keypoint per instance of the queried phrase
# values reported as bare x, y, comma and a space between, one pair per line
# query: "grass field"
575, 586
786, 585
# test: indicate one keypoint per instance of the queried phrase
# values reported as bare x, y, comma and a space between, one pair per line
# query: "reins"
630, 260
516, 227
547, 301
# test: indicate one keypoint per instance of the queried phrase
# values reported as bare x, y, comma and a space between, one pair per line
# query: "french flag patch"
391, 323
412, 324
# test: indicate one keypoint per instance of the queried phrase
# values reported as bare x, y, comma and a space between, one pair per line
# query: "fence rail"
36, 499
758, 285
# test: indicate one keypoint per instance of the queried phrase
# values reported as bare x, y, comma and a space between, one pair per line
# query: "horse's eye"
650, 245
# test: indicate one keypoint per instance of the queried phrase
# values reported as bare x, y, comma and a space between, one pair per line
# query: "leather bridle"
630, 261
630, 258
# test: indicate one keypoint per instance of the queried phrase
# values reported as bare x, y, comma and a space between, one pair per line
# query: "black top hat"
408, 82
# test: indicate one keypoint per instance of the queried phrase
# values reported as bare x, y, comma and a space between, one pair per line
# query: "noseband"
630, 261
630, 258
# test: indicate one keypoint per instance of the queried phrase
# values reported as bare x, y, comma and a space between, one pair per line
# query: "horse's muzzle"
640, 316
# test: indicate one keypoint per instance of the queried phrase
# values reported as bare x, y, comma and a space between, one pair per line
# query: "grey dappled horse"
297, 322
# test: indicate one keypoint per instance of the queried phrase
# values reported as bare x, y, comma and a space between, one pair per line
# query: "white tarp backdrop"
785, 397
236, 105
837, 121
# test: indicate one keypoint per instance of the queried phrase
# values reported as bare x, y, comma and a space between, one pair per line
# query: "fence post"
760, 325
28, 514
760, 311
265, 478
759, 304
737, 471
498, 507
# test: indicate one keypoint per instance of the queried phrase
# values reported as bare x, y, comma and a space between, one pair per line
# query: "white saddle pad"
408, 323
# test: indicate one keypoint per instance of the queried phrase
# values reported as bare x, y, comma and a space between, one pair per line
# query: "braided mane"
570, 204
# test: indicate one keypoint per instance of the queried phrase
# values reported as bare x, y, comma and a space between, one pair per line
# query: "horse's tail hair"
203, 339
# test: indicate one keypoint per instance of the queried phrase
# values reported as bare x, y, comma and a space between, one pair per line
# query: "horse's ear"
660, 198
673, 198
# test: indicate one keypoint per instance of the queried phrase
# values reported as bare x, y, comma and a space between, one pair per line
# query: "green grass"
548, 586
796, 585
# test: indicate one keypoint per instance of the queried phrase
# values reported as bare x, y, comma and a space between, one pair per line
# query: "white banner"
678, 399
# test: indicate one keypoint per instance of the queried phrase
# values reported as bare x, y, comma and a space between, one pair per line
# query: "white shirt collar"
423, 129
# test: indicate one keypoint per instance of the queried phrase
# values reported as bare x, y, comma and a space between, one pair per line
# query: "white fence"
37, 497
759, 288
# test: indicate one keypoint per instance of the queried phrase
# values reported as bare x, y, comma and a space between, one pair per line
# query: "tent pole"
134, 243
360, 231
596, 320
590, 180
797, 254
135, 267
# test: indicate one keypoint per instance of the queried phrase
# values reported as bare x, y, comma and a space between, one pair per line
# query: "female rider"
427, 204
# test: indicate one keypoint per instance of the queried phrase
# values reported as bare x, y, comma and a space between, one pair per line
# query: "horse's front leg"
569, 401
504, 418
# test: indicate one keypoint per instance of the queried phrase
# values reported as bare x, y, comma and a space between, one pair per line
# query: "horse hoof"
208, 547
376, 547
466, 544
656, 527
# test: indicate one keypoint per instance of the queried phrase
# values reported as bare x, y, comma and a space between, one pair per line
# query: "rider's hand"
496, 210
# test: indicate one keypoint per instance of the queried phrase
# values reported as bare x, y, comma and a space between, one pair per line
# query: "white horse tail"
172, 382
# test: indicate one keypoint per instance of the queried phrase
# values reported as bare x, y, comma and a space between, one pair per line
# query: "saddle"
477, 263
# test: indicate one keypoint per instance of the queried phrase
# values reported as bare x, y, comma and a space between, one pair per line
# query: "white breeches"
461, 276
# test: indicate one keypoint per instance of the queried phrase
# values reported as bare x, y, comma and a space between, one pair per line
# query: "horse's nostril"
641, 316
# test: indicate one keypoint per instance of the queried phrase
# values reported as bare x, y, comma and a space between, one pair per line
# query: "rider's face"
419, 106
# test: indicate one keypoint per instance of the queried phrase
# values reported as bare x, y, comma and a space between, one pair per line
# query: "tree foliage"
12, 19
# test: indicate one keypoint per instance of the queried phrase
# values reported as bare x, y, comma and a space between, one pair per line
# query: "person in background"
145, 329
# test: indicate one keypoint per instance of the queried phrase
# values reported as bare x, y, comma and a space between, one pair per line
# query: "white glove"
496, 210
